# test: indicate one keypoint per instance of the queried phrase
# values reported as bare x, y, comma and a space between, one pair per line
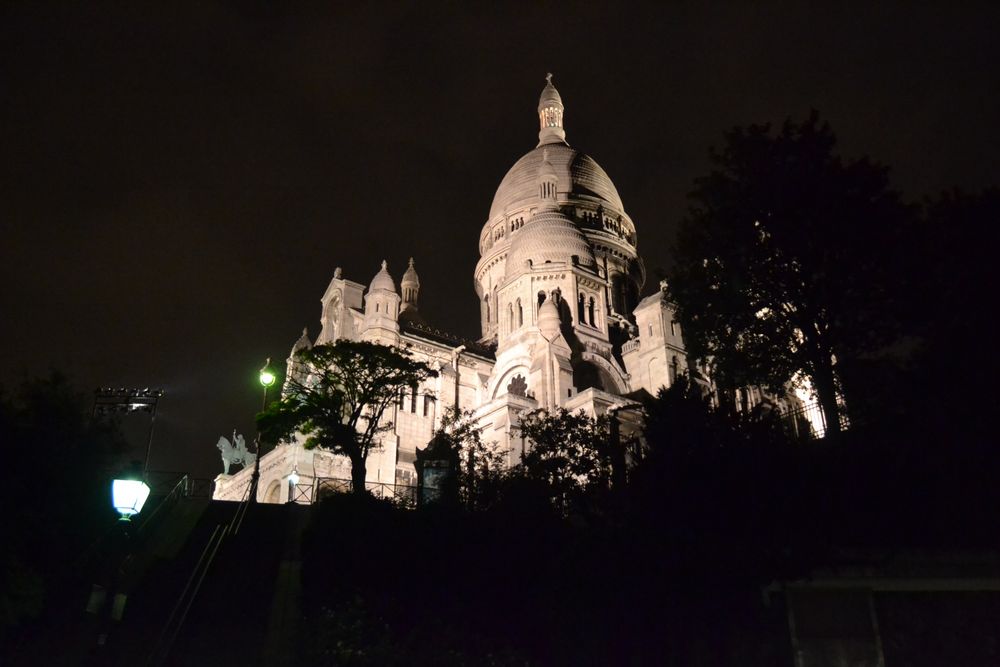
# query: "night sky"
179, 183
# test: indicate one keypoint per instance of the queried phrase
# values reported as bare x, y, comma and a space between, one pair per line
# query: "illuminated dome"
579, 177
554, 204
549, 237
382, 280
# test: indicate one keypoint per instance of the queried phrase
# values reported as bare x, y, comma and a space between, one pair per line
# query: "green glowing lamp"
267, 376
128, 496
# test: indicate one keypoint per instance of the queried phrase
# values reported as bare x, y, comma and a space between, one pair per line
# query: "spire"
548, 183
410, 285
550, 115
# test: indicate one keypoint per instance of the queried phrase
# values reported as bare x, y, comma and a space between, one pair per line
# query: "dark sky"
178, 183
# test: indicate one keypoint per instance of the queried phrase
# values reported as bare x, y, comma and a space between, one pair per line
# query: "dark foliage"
789, 261
668, 569
55, 489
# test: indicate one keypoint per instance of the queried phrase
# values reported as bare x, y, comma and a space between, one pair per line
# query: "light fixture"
267, 376
128, 496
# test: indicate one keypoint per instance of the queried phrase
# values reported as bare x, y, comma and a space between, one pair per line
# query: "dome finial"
550, 115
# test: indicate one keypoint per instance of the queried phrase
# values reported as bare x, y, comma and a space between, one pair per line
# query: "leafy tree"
570, 453
787, 262
337, 398
481, 466
46, 425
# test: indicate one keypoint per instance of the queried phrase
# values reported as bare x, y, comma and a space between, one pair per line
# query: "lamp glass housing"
128, 496
267, 377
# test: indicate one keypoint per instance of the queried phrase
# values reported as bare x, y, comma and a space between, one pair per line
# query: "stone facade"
558, 282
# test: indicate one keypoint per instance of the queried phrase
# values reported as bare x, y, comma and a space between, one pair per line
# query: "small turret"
382, 308
297, 371
410, 286
550, 115
548, 319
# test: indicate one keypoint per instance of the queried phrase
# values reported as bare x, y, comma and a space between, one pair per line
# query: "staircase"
215, 583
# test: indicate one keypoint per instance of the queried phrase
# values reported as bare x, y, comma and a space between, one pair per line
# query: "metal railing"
808, 421
162, 482
404, 495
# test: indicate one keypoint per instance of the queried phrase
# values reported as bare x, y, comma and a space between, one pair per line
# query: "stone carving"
235, 452
518, 386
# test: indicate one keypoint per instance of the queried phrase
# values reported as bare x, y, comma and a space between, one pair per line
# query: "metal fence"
404, 495
808, 421
162, 482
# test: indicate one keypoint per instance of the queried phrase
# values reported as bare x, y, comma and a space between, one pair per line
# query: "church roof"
579, 175
410, 277
382, 280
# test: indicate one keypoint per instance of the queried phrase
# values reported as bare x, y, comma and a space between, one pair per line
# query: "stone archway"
273, 493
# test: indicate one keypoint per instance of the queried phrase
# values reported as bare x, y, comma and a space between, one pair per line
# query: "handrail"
241, 510
179, 491
194, 593
215, 538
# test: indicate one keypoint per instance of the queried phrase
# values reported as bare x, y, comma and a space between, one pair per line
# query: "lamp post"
267, 378
109, 400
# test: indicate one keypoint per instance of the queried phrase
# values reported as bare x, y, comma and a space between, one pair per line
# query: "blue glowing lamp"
129, 495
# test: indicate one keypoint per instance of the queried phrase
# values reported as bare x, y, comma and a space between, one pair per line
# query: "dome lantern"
550, 115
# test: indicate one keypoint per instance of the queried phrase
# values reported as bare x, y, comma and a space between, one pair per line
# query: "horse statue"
235, 452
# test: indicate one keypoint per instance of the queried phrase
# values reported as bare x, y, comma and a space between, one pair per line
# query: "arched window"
590, 311
520, 314
402, 399
510, 317
581, 307
427, 404
673, 369
541, 298
413, 401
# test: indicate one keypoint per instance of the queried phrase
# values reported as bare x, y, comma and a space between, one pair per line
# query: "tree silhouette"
785, 262
337, 398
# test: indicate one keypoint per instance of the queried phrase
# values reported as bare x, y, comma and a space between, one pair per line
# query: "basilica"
558, 283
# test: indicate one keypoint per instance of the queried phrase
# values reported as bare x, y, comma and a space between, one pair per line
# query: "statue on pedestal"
235, 452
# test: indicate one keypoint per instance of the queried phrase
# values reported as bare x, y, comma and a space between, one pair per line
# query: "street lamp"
267, 378
128, 496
